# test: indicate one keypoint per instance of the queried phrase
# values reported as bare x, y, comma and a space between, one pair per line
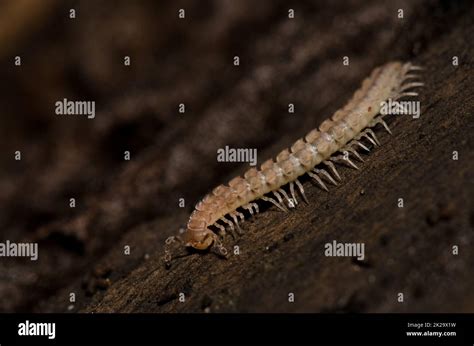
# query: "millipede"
338, 140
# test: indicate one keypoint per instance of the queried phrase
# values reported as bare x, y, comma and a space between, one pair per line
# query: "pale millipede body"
313, 155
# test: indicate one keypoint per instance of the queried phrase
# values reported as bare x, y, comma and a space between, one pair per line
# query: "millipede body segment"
337, 140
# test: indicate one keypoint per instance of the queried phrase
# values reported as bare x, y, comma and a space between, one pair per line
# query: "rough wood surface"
135, 202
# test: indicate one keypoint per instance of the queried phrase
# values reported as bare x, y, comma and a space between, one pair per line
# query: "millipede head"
200, 240
176, 247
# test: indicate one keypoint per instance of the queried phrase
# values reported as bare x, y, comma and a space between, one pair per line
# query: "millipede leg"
356, 142
369, 131
292, 190
221, 229
324, 173
333, 169
408, 67
410, 76
300, 186
355, 153
350, 148
411, 85
415, 68
365, 135
236, 222
231, 226
277, 195
271, 200
318, 179
285, 195
255, 205
345, 159
407, 93
380, 120
248, 207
